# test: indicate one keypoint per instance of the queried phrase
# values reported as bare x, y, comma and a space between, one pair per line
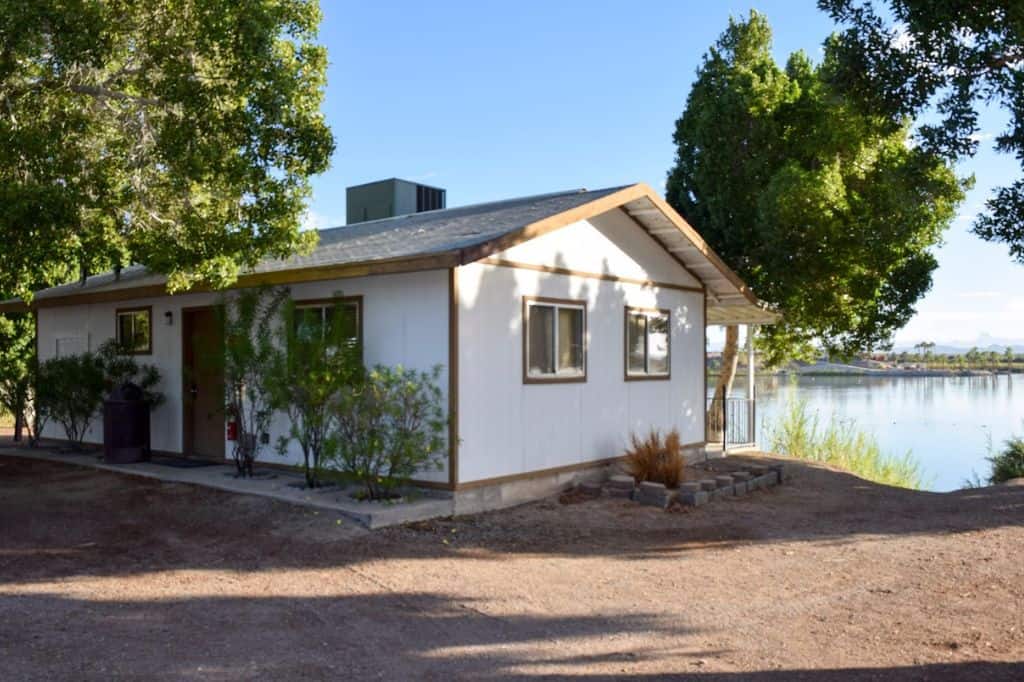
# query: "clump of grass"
1009, 463
800, 433
652, 458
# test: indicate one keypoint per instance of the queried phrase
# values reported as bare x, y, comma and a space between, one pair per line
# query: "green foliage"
1009, 463
248, 318
179, 134
17, 366
799, 433
120, 369
312, 365
828, 213
390, 425
70, 391
947, 59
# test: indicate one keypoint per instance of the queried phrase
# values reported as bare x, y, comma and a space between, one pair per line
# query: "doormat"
182, 462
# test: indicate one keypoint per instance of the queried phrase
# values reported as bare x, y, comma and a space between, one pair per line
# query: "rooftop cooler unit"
389, 198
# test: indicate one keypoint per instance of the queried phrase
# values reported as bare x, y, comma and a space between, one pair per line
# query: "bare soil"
104, 576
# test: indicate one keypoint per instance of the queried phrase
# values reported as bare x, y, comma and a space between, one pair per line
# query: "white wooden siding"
507, 427
405, 322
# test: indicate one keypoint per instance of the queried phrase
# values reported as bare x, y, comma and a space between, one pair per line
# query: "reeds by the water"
802, 433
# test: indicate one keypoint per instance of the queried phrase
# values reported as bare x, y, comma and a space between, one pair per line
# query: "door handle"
193, 391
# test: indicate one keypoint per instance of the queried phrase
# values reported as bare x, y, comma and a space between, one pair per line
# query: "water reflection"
945, 421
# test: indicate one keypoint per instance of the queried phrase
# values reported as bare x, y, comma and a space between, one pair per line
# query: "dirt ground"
104, 576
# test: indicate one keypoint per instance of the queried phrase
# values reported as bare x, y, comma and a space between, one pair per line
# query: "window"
315, 318
648, 343
135, 331
554, 340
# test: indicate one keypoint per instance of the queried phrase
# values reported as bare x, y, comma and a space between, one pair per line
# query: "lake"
945, 421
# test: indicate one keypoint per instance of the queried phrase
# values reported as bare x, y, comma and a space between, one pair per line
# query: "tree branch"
105, 93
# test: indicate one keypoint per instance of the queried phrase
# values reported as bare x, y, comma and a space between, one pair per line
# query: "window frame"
556, 303
333, 301
121, 349
646, 375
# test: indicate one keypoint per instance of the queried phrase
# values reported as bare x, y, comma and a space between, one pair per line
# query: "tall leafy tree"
828, 213
945, 58
179, 134
17, 365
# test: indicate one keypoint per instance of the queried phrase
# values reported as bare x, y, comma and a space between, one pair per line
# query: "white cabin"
563, 321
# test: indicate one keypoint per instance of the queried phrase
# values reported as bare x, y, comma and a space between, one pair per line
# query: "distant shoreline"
862, 371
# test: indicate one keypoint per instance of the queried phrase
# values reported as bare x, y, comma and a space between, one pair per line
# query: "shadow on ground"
103, 575
394, 636
91, 522
407, 636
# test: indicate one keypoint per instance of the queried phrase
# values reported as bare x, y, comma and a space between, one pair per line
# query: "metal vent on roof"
390, 198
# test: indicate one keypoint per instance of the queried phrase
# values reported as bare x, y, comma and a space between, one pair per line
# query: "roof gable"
610, 245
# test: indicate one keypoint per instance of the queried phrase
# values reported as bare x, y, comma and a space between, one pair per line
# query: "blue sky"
493, 100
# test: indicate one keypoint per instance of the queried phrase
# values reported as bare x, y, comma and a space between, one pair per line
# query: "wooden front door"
203, 383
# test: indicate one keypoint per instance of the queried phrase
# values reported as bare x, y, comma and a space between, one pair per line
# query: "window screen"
134, 331
555, 340
648, 343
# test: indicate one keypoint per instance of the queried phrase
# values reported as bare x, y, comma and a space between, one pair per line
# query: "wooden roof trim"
14, 306
671, 255
447, 259
701, 245
294, 276
551, 223
601, 205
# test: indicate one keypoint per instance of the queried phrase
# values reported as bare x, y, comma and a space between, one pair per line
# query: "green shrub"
389, 426
799, 433
70, 391
656, 459
1009, 463
248, 318
311, 365
119, 369
17, 360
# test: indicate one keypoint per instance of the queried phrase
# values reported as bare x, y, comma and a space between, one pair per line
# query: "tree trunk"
19, 421
727, 374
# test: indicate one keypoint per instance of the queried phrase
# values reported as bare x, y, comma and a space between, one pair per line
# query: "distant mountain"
984, 343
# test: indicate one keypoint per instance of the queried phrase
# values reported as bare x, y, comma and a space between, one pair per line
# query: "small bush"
248, 318
1009, 463
389, 426
304, 378
656, 460
799, 433
17, 362
120, 369
69, 391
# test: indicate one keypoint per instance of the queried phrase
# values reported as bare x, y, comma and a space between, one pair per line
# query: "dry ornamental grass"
655, 459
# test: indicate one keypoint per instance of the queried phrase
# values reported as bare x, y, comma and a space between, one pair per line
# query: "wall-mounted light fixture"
169, 318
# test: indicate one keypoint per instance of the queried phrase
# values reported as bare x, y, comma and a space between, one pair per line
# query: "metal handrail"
738, 420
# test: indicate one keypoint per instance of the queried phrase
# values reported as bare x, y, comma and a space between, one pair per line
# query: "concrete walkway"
275, 484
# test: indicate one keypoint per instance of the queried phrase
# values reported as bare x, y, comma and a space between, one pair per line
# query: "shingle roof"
418, 234
456, 236
433, 232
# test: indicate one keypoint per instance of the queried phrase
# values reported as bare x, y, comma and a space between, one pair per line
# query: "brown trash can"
126, 426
